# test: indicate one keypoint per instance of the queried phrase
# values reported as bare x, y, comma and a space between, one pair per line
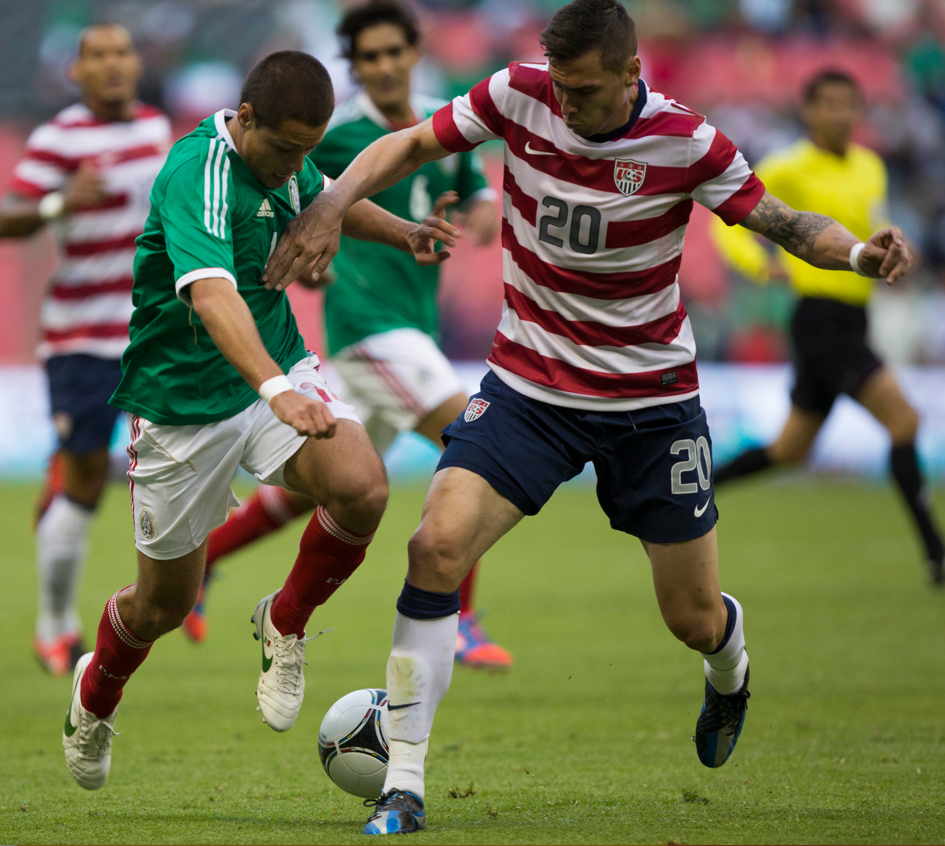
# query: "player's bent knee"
701, 632
436, 556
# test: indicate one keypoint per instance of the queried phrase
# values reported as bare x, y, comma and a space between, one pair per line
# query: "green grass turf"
587, 740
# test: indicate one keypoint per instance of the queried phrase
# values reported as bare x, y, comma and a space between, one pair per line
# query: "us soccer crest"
294, 194
475, 410
629, 176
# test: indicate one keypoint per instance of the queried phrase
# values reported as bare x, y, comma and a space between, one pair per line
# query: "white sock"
418, 675
725, 669
61, 542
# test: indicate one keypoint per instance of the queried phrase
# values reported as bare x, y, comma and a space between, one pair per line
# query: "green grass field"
587, 740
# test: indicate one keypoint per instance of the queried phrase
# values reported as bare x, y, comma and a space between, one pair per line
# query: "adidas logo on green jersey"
265, 210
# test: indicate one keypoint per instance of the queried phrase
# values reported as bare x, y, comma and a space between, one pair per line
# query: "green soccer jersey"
210, 217
379, 288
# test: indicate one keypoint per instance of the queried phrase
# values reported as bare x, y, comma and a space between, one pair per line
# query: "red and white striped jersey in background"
592, 238
88, 303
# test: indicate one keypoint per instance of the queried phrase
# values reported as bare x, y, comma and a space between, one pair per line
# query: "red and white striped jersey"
88, 303
592, 239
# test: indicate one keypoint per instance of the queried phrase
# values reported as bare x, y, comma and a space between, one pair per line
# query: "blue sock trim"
420, 604
729, 626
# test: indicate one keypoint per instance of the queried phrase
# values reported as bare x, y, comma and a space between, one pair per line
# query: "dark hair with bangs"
289, 85
831, 76
373, 13
586, 25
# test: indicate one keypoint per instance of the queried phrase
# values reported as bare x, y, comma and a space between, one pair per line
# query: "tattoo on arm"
795, 231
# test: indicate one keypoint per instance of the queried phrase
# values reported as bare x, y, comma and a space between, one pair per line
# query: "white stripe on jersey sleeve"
182, 284
41, 174
225, 179
716, 191
471, 126
207, 185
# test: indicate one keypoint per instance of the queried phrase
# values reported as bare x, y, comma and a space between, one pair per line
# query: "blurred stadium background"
740, 62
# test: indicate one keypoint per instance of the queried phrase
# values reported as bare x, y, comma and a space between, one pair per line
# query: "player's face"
382, 62
833, 114
592, 98
108, 68
273, 155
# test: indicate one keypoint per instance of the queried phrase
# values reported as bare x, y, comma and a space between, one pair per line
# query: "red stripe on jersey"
82, 292
525, 203
633, 233
590, 333
80, 249
668, 124
482, 104
54, 159
561, 376
447, 133
112, 201
601, 286
718, 157
27, 189
534, 83
105, 158
737, 207
87, 330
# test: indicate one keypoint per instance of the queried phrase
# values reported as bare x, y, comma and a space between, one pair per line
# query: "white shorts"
394, 380
180, 476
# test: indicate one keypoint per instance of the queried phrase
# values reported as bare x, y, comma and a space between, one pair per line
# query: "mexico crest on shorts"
475, 410
146, 523
628, 176
294, 194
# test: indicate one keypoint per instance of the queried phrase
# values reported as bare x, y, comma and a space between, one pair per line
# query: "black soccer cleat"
395, 812
720, 723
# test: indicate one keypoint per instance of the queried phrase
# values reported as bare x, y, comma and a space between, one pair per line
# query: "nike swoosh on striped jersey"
534, 152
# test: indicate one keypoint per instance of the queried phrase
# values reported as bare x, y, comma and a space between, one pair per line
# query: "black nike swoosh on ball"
395, 707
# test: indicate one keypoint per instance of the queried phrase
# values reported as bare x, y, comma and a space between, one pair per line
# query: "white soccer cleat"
281, 685
87, 739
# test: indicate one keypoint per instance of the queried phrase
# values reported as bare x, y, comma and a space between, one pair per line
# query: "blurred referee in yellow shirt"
847, 182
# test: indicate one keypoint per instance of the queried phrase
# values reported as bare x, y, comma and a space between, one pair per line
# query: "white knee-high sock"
726, 667
418, 675
61, 543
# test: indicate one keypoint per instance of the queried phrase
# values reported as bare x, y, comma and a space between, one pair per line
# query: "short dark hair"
370, 14
586, 25
828, 77
289, 85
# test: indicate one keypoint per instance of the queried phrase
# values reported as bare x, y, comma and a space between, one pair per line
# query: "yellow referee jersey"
850, 189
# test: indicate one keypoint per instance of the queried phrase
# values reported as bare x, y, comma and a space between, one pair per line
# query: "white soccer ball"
353, 745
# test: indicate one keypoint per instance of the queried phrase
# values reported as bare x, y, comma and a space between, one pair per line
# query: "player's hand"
886, 255
314, 282
85, 189
307, 416
422, 238
311, 238
481, 222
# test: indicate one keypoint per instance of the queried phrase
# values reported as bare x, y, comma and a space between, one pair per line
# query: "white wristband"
51, 206
855, 258
275, 385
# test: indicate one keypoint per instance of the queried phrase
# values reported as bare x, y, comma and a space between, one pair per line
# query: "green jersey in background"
380, 288
210, 217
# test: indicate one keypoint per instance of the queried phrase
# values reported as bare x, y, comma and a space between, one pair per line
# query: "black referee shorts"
831, 356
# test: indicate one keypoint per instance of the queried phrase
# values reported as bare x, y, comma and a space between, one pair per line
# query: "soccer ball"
352, 742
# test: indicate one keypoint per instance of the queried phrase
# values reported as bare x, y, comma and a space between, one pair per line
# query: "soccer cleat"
86, 739
195, 623
281, 685
60, 655
720, 723
395, 812
475, 648
937, 571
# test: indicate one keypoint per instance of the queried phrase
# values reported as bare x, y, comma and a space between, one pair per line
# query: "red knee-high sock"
467, 589
265, 511
328, 555
118, 653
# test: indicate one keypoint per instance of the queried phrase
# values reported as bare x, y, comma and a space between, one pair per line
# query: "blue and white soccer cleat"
720, 723
395, 812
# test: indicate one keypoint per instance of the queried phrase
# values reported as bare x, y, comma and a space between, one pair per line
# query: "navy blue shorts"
79, 389
654, 466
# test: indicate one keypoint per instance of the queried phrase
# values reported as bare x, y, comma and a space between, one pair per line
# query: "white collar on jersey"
375, 115
219, 121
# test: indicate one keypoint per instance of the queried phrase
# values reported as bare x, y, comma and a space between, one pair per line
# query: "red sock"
118, 653
328, 555
265, 511
467, 589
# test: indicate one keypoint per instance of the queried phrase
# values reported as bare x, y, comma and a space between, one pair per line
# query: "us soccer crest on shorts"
628, 175
475, 410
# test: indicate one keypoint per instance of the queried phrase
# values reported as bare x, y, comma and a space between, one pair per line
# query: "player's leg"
881, 396
474, 647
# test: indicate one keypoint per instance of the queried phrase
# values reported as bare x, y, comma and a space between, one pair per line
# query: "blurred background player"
381, 310
828, 171
87, 173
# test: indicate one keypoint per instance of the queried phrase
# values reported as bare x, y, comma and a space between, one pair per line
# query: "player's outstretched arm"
822, 242
22, 216
230, 324
314, 235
